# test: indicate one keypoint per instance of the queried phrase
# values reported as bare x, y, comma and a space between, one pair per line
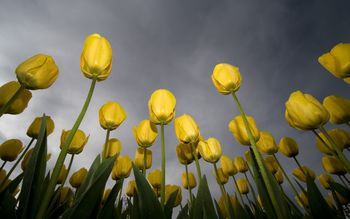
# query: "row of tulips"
40, 193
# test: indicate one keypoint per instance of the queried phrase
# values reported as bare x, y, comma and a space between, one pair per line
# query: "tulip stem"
3, 164
68, 169
298, 164
223, 192
343, 182
11, 100
105, 150
199, 172
323, 141
250, 202
266, 180
162, 188
240, 195
60, 160
144, 162
250, 185
188, 185
339, 154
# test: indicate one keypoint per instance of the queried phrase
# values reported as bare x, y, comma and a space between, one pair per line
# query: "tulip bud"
248, 157
26, 159
210, 150
145, 133
305, 112
242, 185
122, 167
37, 72
226, 78
288, 147
347, 80
241, 164
271, 164
333, 165
20, 103
111, 115
279, 176
184, 153
339, 137
131, 188
96, 57
78, 142
34, 128
337, 61
105, 196
266, 143
139, 155
78, 177
222, 205
10, 149
239, 131
186, 129
63, 174
114, 146
191, 183
154, 178
161, 106
325, 180
227, 165
220, 176
170, 189
302, 200
300, 173
65, 194
338, 108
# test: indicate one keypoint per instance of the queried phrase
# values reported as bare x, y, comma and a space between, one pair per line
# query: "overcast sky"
175, 45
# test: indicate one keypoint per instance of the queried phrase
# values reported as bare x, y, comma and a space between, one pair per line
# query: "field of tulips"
38, 192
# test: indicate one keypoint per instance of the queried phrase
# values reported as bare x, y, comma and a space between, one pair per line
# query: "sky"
175, 45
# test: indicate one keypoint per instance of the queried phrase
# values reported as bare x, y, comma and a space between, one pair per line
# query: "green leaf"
11, 188
108, 210
239, 211
218, 210
168, 208
204, 201
183, 214
296, 213
343, 191
339, 205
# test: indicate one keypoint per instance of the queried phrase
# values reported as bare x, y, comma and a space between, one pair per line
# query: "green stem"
144, 162
11, 100
68, 169
188, 185
223, 193
250, 185
162, 188
250, 202
60, 160
199, 172
298, 164
240, 195
323, 141
339, 154
3, 164
105, 150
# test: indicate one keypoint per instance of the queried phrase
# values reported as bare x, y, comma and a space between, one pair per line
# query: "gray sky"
175, 45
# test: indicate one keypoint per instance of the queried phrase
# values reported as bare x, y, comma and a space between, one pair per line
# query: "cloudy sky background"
175, 45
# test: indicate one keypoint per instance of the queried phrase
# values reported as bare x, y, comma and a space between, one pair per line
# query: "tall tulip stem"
223, 192
3, 164
11, 100
240, 195
298, 164
199, 172
60, 160
105, 150
323, 141
162, 188
68, 169
188, 184
251, 187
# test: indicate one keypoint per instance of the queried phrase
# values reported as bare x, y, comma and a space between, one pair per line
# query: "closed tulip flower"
184, 153
300, 173
78, 177
26, 159
242, 185
239, 131
145, 133
267, 143
271, 164
337, 61
288, 147
221, 177
227, 165
38, 72
347, 80
338, 108
325, 180
78, 142
161, 106
226, 78
114, 146
333, 165
62, 175
65, 194
34, 128
122, 167
186, 129
154, 178
139, 155
191, 183
10, 149
248, 157
210, 150
302, 200
111, 115
170, 189
131, 188
222, 206
279, 176
305, 112
96, 57
240, 164
340, 138
20, 103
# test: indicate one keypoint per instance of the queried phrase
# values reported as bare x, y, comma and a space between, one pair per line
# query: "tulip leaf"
168, 208
218, 210
239, 211
204, 201
183, 214
148, 203
135, 208
34, 175
11, 188
343, 191
337, 202
8, 205
295, 212
108, 210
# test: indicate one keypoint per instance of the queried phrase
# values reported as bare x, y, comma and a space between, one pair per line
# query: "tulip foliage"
260, 182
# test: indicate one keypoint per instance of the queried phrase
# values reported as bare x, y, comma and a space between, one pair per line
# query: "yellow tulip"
339, 136
267, 143
186, 129
221, 177
248, 157
242, 185
333, 165
20, 103
337, 61
239, 131
26, 159
191, 183
65, 194
210, 150
170, 189
271, 164
302, 200
154, 178
105, 195
111, 115
227, 165
114, 146
325, 180
78, 177
78, 142
279, 176
299, 173
226, 78
131, 188
63, 174
139, 155
240, 164
184, 153
34, 128
222, 205
305, 112
145, 133
38, 72
122, 167
288, 147
10, 149
338, 108
347, 80
96, 57
161, 106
